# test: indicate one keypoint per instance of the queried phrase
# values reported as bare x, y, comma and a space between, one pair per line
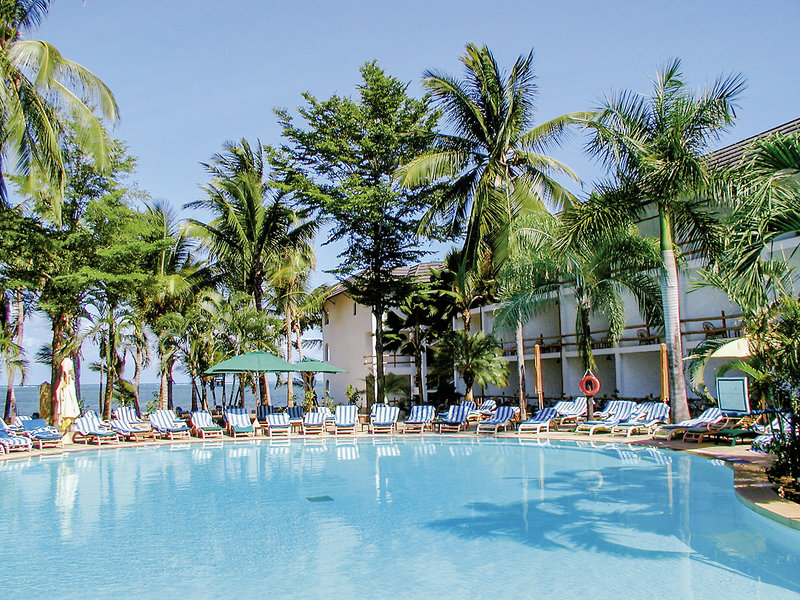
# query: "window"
327, 352
355, 305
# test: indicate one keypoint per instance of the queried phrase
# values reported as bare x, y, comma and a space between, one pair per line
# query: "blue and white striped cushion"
14, 441
543, 416
278, 420
346, 415
385, 415
314, 418
295, 413
501, 416
456, 415
421, 413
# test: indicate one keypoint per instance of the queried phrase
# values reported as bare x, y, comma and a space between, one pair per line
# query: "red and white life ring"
590, 385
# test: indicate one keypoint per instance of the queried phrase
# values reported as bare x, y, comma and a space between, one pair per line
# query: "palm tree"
477, 358
289, 283
416, 322
253, 226
656, 145
493, 161
40, 90
598, 271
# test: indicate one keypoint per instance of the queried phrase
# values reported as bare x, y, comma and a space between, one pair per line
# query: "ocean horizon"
27, 397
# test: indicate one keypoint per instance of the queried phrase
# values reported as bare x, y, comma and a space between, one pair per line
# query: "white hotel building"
631, 369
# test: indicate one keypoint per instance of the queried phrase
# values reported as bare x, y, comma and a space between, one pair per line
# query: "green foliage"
477, 358
352, 394
40, 93
492, 164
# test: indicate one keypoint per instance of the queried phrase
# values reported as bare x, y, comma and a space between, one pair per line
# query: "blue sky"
190, 74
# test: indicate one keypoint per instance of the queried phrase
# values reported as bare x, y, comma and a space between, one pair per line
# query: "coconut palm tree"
493, 162
41, 89
655, 146
597, 271
477, 358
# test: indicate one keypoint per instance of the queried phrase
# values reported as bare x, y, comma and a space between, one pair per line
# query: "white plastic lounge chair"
127, 414
313, 423
541, 420
617, 412
485, 411
328, 417
656, 415
87, 431
166, 423
203, 425
420, 418
11, 442
278, 425
239, 423
41, 434
669, 432
502, 418
295, 414
456, 419
384, 419
345, 419
570, 414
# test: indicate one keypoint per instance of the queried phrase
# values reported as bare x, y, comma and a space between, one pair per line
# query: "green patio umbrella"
308, 365
252, 362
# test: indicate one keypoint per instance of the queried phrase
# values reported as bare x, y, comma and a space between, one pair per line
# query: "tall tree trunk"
194, 393
520, 344
162, 389
289, 378
11, 402
205, 393
137, 377
76, 361
380, 375
418, 362
59, 329
111, 355
672, 322
466, 316
170, 366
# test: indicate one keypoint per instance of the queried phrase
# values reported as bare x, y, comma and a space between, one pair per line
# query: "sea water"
387, 518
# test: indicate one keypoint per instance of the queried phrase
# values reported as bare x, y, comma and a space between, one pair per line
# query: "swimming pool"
399, 518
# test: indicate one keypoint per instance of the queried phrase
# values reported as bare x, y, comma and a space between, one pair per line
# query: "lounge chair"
130, 431
656, 415
485, 410
17, 423
262, 410
570, 412
41, 434
89, 429
295, 414
313, 423
740, 422
278, 425
127, 414
327, 416
345, 419
166, 423
541, 420
617, 412
456, 419
239, 424
502, 418
669, 432
11, 442
384, 419
419, 418
780, 428
203, 425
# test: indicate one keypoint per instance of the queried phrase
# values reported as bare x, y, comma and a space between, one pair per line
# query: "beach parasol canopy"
738, 348
308, 365
252, 362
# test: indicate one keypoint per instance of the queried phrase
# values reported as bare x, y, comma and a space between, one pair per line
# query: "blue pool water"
388, 518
